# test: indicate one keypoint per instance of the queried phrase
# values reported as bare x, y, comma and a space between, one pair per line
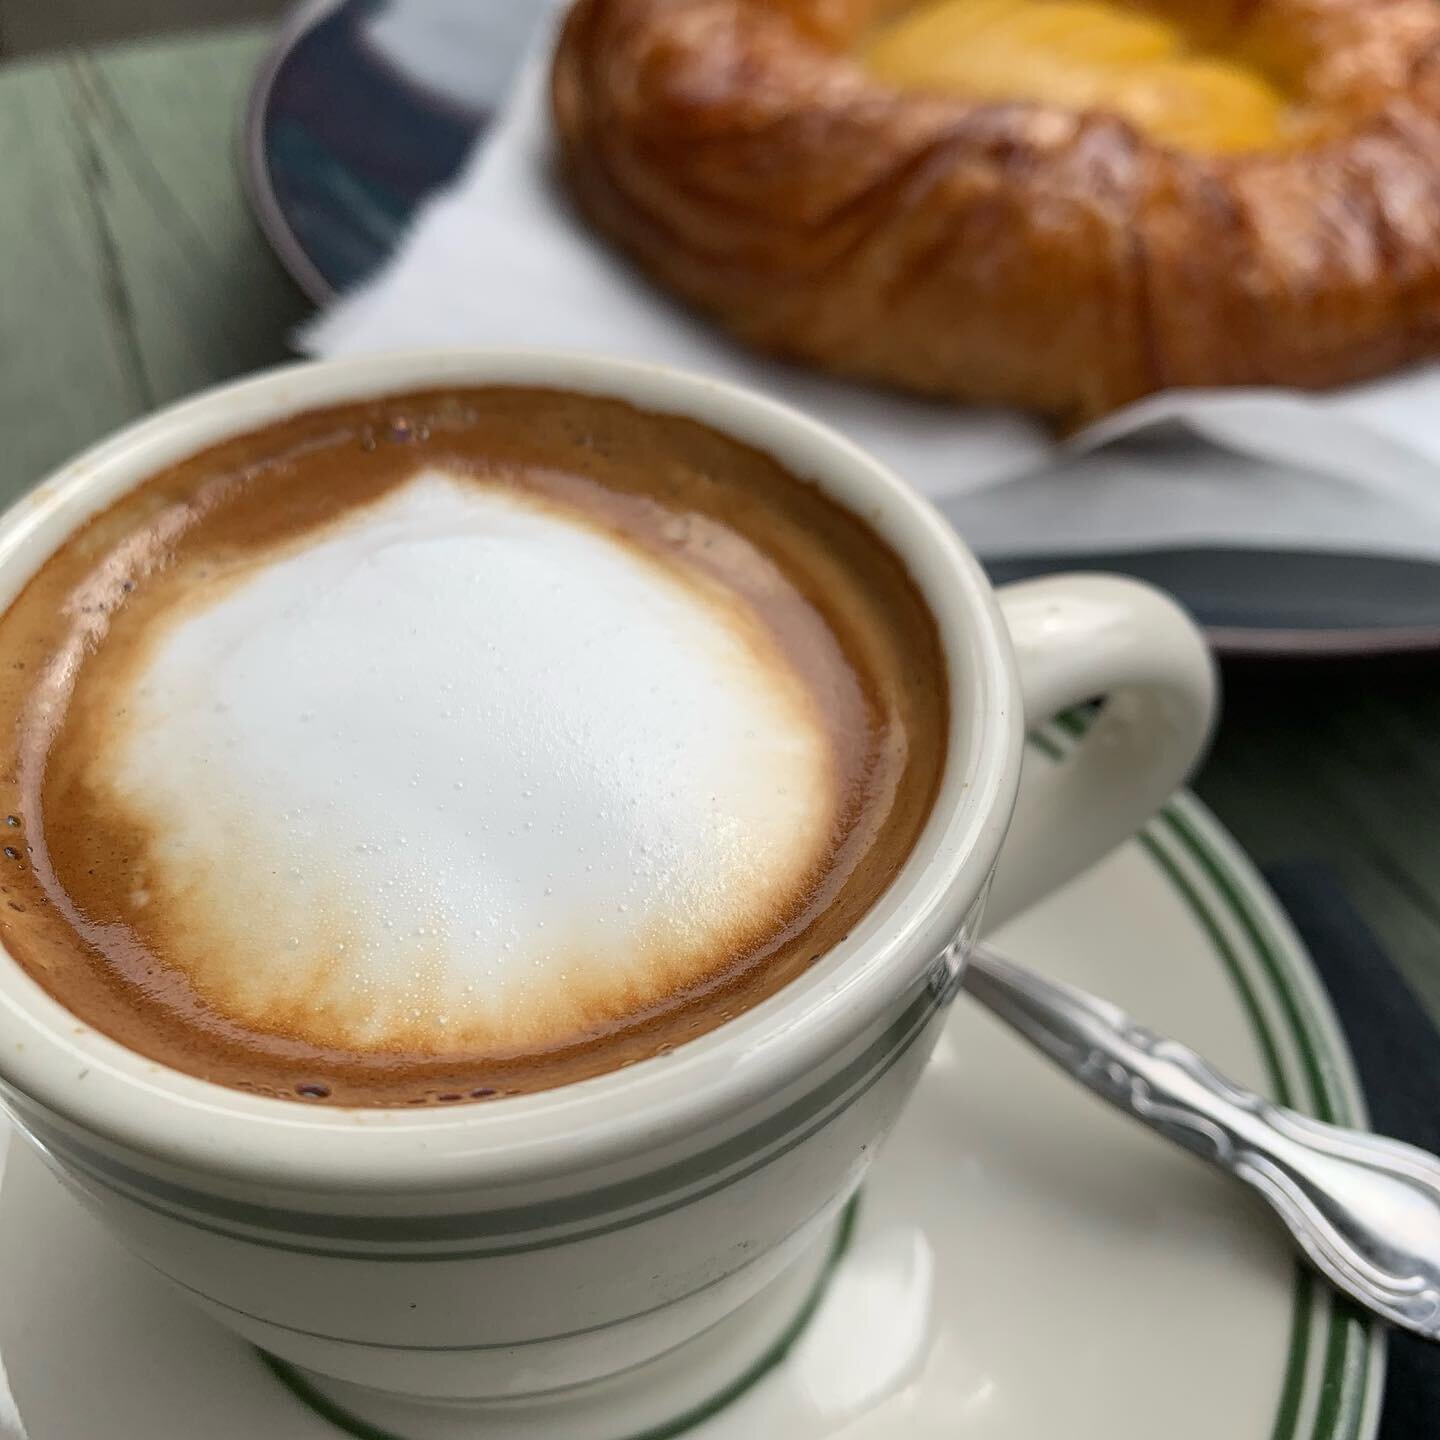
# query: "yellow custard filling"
1084, 55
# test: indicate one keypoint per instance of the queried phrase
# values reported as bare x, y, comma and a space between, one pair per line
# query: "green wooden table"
133, 273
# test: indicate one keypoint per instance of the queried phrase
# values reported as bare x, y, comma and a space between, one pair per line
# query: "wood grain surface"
132, 269
43, 26
133, 273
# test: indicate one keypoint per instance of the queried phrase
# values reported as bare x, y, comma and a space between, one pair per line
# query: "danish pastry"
1057, 204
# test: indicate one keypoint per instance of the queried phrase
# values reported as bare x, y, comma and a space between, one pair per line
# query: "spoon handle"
1364, 1210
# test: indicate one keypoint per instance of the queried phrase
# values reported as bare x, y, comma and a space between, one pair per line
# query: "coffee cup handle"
1085, 637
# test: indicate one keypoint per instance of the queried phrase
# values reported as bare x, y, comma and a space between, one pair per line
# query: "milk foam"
464, 769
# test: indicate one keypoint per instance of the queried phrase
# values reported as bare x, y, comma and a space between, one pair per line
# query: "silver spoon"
1364, 1210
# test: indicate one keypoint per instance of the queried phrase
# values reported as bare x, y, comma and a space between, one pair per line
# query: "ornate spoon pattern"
1363, 1209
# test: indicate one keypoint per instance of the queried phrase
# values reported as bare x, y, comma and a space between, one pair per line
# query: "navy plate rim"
254, 155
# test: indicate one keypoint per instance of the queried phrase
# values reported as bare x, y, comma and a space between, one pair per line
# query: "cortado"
455, 745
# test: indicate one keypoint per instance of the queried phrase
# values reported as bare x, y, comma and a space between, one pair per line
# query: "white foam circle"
464, 770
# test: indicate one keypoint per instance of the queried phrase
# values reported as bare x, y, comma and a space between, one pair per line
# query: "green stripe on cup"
680, 1185
511, 1343
304, 1391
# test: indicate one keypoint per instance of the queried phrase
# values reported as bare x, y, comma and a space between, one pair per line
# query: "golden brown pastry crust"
1015, 253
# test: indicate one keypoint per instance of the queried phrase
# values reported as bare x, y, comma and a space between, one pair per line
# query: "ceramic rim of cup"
47, 1054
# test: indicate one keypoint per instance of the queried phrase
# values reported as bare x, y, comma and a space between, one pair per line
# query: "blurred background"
29, 27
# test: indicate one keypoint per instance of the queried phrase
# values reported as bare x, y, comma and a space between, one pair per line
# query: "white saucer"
1025, 1263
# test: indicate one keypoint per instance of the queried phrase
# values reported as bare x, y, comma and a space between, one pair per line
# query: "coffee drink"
455, 744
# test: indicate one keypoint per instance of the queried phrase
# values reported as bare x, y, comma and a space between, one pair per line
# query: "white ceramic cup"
610, 1257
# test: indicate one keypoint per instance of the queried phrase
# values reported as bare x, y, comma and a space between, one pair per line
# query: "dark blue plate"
364, 107
361, 109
